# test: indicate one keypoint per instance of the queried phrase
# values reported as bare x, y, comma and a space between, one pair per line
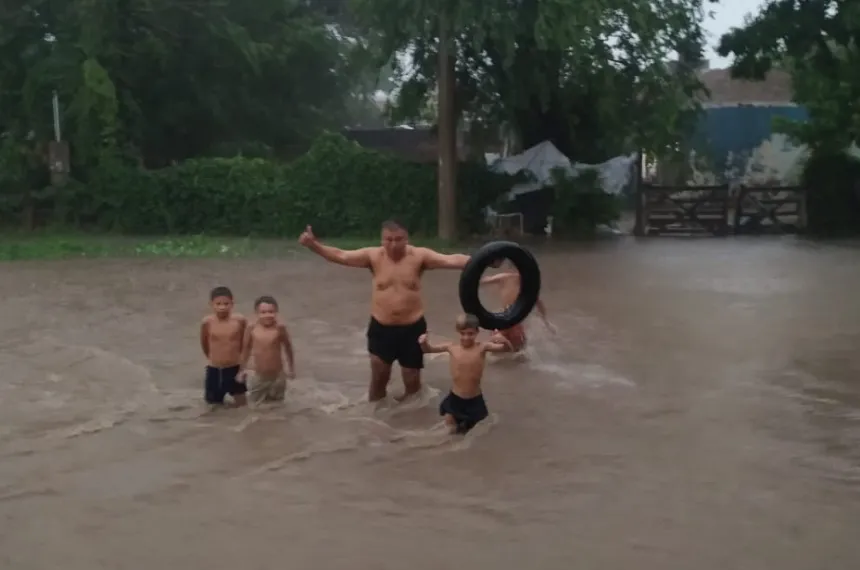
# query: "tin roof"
775, 88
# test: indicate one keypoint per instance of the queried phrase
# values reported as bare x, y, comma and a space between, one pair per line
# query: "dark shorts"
467, 412
397, 342
222, 381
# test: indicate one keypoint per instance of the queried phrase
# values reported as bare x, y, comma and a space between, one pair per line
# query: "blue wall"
738, 130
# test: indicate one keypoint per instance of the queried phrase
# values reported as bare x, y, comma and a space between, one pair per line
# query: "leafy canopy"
164, 80
590, 75
817, 41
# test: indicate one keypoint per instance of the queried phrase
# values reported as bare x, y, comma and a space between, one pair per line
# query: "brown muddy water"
699, 409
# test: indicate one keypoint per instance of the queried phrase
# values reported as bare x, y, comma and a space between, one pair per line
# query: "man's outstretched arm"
347, 257
435, 260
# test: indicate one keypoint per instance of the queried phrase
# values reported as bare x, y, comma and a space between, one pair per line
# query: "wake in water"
119, 390
382, 437
365, 425
307, 395
549, 353
73, 390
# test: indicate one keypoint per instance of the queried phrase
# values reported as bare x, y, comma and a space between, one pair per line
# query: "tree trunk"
447, 136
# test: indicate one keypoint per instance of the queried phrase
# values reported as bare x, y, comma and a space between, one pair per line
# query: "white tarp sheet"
540, 160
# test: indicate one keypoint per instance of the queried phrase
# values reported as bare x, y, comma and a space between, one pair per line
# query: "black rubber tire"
470, 282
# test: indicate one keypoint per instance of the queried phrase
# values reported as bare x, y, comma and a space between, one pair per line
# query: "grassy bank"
64, 245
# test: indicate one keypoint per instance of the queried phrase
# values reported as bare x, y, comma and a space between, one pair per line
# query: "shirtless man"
464, 407
508, 283
221, 335
396, 305
269, 343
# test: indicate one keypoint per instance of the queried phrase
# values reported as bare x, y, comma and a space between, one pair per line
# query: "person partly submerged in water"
508, 288
269, 349
464, 407
221, 334
396, 301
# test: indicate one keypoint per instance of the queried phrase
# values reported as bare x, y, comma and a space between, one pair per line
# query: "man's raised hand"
307, 237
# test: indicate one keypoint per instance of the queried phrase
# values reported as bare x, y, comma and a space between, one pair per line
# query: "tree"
588, 75
163, 80
817, 41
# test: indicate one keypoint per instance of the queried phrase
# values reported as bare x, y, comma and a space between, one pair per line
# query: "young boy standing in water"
265, 341
508, 283
221, 335
464, 407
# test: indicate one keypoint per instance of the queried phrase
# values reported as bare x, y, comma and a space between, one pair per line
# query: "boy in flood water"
464, 406
221, 335
268, 342
508, 288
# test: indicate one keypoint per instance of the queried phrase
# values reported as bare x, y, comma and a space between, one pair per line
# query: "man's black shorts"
397, 342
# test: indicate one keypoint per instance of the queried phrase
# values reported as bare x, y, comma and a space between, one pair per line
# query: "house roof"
776, 88
416, 144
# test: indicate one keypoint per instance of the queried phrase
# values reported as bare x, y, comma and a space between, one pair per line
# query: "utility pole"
446, 123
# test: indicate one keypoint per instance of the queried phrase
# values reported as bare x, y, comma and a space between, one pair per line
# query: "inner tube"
470, 282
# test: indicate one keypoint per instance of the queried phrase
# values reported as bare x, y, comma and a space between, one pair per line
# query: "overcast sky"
727, 14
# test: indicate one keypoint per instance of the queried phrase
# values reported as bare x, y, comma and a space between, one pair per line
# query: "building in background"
735, 141
736, 134
415, 144
418, 143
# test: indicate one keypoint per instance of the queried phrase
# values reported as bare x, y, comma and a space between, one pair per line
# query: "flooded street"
698, 410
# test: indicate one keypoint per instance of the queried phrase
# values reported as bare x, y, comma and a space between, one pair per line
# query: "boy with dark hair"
221, 334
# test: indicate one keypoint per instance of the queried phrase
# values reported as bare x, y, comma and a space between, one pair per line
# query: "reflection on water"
698, 408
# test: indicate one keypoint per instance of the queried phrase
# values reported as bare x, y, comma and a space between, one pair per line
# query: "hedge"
833, 197
339, 187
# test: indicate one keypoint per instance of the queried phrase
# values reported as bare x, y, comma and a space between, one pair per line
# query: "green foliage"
832, 100
22, 177
52, 244
154, 83
339, 187
164, 80
833, 202
590, 76
58, 246
579, 204
818, 42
